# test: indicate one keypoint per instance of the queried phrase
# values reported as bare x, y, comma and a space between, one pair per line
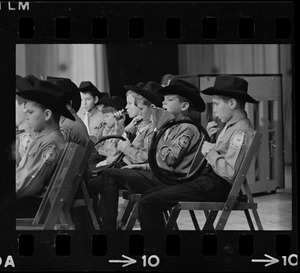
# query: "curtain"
79, 62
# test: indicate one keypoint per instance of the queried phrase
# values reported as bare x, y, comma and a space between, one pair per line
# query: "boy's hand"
142, 167
122, 144
206, 147
212, 128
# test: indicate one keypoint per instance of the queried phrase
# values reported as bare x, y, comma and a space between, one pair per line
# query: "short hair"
183, 99
108, 109
240, 104
55, 115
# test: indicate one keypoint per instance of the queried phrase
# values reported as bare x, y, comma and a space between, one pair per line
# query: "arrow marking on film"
268, 262
128, 261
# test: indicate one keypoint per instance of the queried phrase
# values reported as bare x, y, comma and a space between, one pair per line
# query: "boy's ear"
184, 106
48, 114
96, 99
233, 103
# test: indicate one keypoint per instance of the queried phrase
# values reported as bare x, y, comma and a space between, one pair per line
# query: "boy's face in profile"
35, 116
88, 101
222, 108
172, 104
109, 119
131, 108
20, 114
144, 110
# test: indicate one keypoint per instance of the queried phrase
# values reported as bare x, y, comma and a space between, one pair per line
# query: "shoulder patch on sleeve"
237, 139
149, 138
184, 142
64, 132
50, 154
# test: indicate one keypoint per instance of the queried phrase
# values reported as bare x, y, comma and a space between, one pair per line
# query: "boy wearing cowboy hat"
24, 134
74, 131
43, 110
89, 112
144, 96
112, 126
224, 157
175, 153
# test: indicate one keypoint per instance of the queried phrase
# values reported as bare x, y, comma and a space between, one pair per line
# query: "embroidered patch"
237, 139
64, 133
184, 142
149, 138
50, 154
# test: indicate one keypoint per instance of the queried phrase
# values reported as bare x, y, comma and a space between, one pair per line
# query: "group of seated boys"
52, 112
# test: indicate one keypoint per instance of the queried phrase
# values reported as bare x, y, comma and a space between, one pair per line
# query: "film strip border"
171, 251
164, 22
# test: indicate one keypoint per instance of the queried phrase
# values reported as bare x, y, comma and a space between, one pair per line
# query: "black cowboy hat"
47, 94
149, 92
230, 86
114, 101
69, 90
132, 87
22, 83
186, 90
87, 86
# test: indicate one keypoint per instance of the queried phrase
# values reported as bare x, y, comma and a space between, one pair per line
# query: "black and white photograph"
139, 144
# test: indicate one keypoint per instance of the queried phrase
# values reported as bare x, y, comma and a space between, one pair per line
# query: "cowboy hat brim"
196, 100
50, 101
238, 94
118, 105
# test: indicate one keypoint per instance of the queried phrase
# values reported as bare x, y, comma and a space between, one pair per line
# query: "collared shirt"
23, 140
96, 119
36, 167
137, 152
176, 149
74, 131
231, 147
109, 146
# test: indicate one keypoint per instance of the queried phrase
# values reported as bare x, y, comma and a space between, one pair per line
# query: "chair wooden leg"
252, 205
89, 204
122, 223
133, 217
194, 219
173, 217
210, 219
249, 220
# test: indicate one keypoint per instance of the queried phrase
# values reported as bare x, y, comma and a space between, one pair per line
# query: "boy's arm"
228, 164
35, 170
138, 153
173, 153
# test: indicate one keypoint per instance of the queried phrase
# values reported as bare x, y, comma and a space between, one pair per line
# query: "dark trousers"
207, 187
109, 184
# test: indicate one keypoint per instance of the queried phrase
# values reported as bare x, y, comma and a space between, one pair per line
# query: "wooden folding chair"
54, 211
239, 198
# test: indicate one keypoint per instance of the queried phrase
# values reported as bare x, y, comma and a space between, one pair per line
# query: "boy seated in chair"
176, 152
112, 126
43, 110
223, 157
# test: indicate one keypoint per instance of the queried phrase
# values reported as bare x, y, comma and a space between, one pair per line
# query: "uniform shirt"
74, 131
109, 146
23, 140
137, 152
231, 146
96, 119
36, 167
176, 148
